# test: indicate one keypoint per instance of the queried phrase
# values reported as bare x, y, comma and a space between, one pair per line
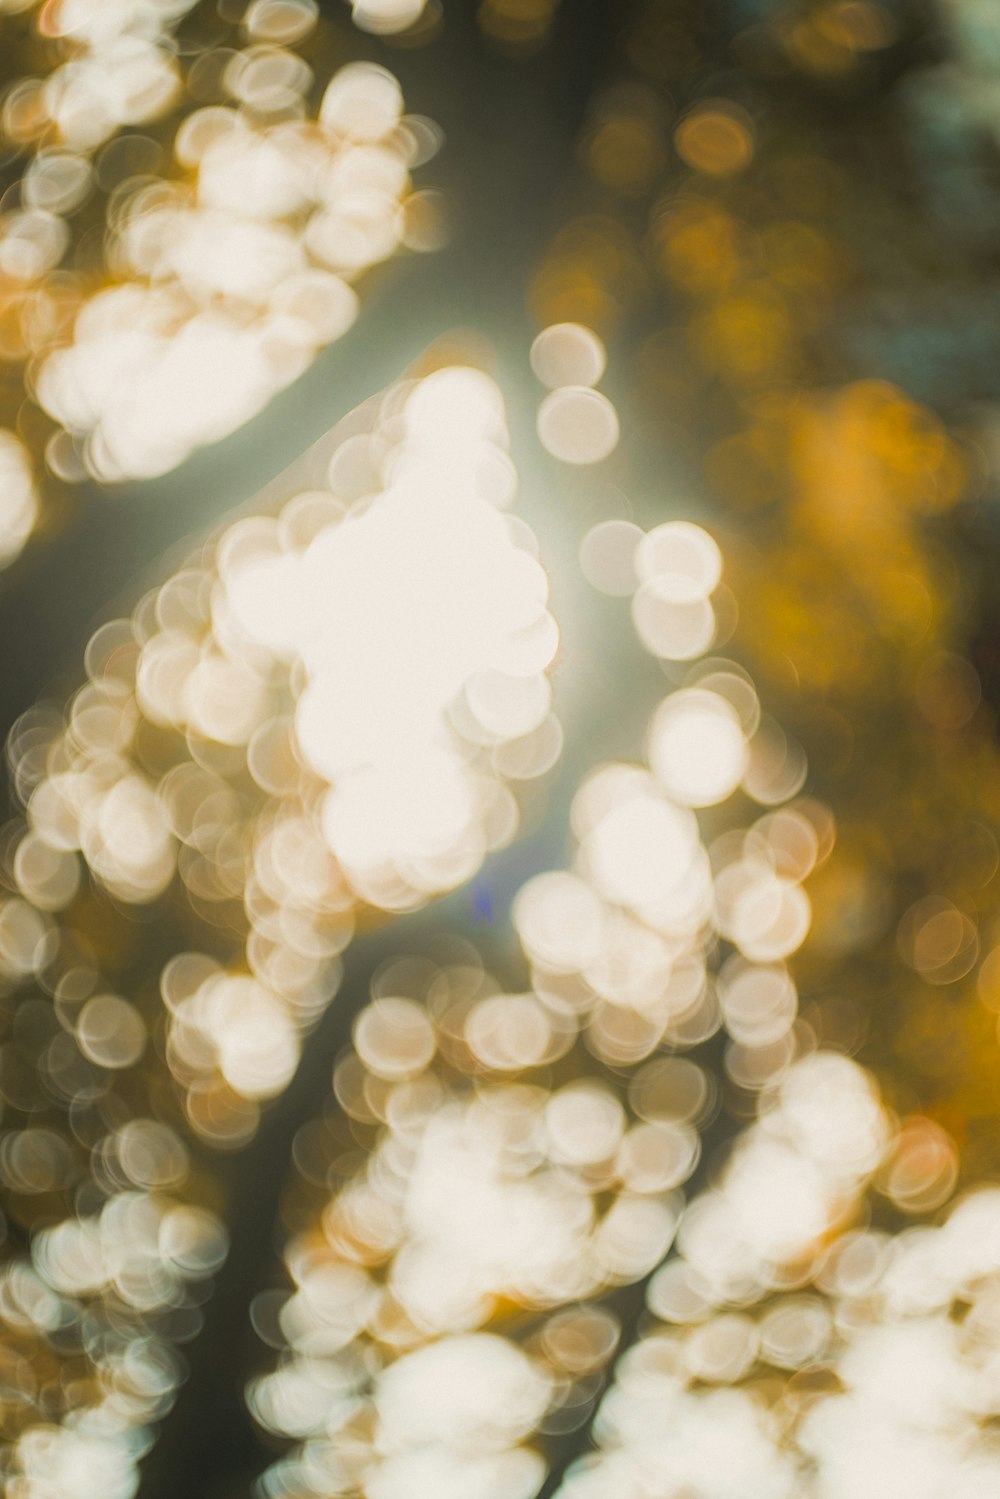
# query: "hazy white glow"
122, 71
481, 1191
472, 1201
771, 919
503, 1232
759, 1003
719, 1444
345, 684
111, 1032
483, 1390
418, 594
138, 1252
584, 1122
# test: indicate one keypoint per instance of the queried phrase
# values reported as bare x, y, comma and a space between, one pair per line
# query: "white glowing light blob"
509, 1031
485, 1389
78, 1464
228, 291
148, 398
681, 560
831, 1108
455, 408
394, 1038
641, 849
481, 1228
421, 602
114, 79
362, 102
697, 748
560, 921
252, 1033
32, 241
387, 16
779, 1200
126, 839
973, 1234
916, 1388
110, 1032
585, 1124
280, 21
392, 814
214, 254
759, 1003
418, 594
793, 1178
18, 498
719, 1444
47, 876
770, 919
244, 175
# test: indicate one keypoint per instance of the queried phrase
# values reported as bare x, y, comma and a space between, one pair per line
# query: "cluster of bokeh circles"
525, 1153
229, 745
457, 1283
92, 1321
793, 1346
502, 1182
230, 286
232, 218
316, 723
229, 769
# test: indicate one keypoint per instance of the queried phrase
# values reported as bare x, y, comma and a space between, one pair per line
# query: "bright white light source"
697, 748
641, 849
